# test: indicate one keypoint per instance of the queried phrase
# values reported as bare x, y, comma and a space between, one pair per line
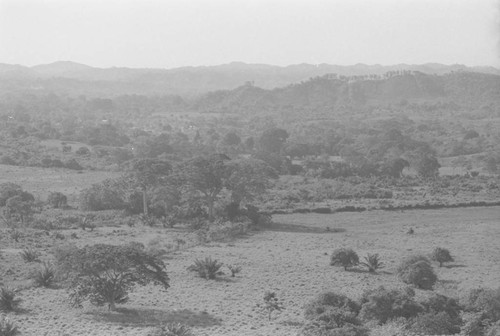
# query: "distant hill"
454, 91
79, 79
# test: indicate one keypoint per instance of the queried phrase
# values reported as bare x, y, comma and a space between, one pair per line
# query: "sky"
174, 33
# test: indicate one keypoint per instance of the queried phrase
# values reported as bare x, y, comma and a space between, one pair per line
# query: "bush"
417, 271
493, 330
318, 328
57, 200
234, 270
30, 255
382, 305
45, 276
344, 257
73, 165
101, 197
485, 301
332, 314
8, 190
329, 301
434, 324
82, 151
7, 160
173, 329
8, 328
257, 218
206, 268
8, 300
271, 303
372, 262
441, 255
439, 303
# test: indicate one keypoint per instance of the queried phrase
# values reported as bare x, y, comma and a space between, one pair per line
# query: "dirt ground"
291, 259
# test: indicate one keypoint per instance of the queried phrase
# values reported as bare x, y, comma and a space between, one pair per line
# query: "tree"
205, 175
426, 165
152, 147
417, 270
344, 257
8, 190
147, 173
242, 178
232, 139
381, 304
20, 206
57, 199
395, 167
273, 140
247, 178
101, 196
441, 255
104, 274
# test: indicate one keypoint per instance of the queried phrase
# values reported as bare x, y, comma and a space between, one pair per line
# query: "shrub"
328, 301
101, 197
8, 190
382, 305
344, 257
441, 255
234, 269
82, 151
8, 328
474, 324
57, 200
439, 303
30, 255
493, 330
372, 262
15, 235
8, 300
417, 271
45, 276
206, 268
271, 303
332, 314
7, 160
73, 165
483, 300
257, 218
318, 328
434, 324
103, 274
173, 329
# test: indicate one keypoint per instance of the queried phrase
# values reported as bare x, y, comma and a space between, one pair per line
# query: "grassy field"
41, 181
290, 258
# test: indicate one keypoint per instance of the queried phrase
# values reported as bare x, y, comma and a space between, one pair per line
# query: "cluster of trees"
191, 188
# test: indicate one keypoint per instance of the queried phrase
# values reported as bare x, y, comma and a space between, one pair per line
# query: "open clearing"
40, 181
291, 258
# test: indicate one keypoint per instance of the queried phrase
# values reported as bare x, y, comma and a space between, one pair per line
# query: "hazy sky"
172, 33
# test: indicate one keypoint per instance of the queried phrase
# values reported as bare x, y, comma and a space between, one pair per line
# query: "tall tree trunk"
111, 305
210, 209
145, 202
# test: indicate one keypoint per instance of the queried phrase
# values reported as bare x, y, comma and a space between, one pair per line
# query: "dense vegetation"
218, 164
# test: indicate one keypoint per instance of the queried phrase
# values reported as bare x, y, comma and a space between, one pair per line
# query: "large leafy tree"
206, 177
104, 274
273, 140
146, 173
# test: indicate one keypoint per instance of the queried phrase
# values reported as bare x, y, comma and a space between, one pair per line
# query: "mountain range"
80, 79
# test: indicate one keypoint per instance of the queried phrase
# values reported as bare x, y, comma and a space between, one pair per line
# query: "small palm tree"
8, 300
372, 262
